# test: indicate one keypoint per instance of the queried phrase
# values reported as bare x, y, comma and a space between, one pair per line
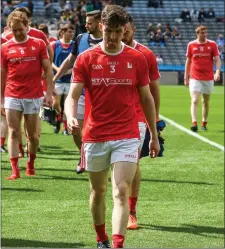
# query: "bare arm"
155, 91
50, 52
187, 71
218, 66
66, 65
71, 104
3, 81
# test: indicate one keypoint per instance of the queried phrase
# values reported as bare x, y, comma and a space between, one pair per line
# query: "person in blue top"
82, 42
62, 48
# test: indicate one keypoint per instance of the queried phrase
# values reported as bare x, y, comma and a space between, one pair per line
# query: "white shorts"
142, 130
80, 108
62, 88
202, 86
27, 106
100, 156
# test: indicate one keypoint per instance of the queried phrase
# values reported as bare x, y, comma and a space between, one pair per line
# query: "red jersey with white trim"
153, 75
33, 33
23, 63
111, 82
201, 56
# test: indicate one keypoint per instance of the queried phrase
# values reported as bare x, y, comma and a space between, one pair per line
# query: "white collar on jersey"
93, 38
113, 54
201, 43
28, 37
135, 44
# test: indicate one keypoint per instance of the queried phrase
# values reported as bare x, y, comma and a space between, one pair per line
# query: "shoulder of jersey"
144, 49
211, 41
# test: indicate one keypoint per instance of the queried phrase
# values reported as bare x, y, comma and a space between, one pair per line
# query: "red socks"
30, 162
101, 233
118, 241
2, 141
132, 204
65, 125
15, 169
204, 123
194, 123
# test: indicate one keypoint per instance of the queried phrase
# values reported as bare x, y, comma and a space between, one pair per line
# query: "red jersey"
33, 33
3, 40
111, 82
23, 63
201, 56
52, 39
153, 74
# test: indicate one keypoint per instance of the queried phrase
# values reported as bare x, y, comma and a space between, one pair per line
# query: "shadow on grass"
51, 177
36, 243
59, 152
187, 228
22, 189
60, 159
174, 181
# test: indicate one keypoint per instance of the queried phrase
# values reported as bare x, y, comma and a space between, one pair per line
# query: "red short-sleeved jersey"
153, 74
111, 82
23, 64
52, 39
201, 56
3, 40
32, 33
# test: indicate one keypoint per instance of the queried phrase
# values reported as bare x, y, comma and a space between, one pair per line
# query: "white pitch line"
206, 140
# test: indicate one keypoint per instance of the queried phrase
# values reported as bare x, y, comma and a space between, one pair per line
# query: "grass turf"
181, 201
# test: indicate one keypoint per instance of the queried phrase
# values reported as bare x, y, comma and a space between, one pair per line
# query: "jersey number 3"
112, 69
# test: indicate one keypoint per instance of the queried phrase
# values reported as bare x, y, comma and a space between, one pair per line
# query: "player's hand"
48, 99
186, 82
73, 126
154, 148
2, 107
217, 76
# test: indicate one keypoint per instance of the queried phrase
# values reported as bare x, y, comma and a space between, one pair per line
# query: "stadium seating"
174, 52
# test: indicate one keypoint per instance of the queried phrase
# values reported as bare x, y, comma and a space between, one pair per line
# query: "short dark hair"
201, 28
114, 15
24, 10
65, 27
44, 28
95, 13
130, 19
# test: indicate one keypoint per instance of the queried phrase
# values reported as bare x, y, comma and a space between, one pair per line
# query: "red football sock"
21, 148
194, 123
204, 123
65, 124
30, 162
118, 240
2, 141
101, 234
58, 117
132, 204
15, 169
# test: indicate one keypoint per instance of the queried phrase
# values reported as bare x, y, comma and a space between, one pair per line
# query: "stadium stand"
174, 51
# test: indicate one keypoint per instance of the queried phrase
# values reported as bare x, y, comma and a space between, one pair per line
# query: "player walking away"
44, 28
22, 59
154, 75
32, 32
82, 43
111, 73
62, 48
4, 126
199, 73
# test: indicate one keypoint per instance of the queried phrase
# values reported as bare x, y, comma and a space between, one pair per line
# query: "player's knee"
122, 191
98, 191
195, 101
14, 133
205, 102
33, 138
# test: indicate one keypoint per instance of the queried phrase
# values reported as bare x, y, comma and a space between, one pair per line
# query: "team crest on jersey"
13, 51
33, 48
129, 65
201, 49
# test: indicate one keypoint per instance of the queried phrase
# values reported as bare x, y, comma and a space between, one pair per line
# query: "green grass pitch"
181, 203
